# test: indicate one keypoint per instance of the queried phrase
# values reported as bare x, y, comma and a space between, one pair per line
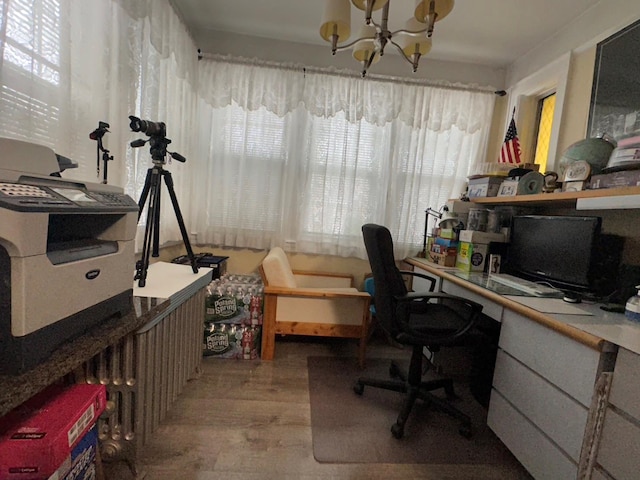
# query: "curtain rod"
347, 73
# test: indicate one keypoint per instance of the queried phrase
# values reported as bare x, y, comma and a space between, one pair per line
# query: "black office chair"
432, 320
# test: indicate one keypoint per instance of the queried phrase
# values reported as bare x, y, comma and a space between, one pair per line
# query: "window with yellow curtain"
546, 107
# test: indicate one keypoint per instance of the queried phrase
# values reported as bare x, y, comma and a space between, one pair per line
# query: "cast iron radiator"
144, 373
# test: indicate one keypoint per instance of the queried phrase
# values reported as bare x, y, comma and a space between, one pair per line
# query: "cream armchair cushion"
310, 303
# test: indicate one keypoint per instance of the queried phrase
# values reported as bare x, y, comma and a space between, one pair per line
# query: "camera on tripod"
158, 141
153, 129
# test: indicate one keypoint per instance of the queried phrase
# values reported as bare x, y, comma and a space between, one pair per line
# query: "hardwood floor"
251, 420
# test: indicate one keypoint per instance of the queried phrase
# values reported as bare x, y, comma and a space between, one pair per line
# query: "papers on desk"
166, 280
549, 305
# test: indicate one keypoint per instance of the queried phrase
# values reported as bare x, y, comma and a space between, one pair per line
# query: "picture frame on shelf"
508, 188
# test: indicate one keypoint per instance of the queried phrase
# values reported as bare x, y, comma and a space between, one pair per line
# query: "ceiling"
492, 33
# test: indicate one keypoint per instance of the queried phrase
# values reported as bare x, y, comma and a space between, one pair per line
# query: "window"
31, 75
546, 109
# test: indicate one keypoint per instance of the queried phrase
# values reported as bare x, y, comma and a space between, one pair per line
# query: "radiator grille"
144, 373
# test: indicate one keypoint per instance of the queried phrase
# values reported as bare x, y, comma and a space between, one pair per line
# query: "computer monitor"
567, 252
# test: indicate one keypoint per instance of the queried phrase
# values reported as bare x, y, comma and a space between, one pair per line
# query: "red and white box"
37, 438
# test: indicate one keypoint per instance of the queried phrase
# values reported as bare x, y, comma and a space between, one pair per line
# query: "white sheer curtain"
65, 65
275, 156
305, 159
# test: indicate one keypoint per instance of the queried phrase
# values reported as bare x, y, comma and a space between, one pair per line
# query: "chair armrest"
421, 275
318, 292
309, 279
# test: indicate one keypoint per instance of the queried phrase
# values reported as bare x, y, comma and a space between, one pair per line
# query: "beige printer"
66, 255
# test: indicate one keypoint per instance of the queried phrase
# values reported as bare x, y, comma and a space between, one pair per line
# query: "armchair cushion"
277, 269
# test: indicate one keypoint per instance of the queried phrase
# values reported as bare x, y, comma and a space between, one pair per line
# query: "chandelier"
413, 41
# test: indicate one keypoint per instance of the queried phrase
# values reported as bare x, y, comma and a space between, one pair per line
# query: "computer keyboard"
524, 286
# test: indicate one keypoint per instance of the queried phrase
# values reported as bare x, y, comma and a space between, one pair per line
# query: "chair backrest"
388, 279
277, 270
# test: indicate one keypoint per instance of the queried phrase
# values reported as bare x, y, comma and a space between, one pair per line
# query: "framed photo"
508, 188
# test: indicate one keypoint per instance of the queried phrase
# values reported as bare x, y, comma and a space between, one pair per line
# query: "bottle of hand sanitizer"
632, 308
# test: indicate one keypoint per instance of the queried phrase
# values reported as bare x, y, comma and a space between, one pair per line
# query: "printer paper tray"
72, 251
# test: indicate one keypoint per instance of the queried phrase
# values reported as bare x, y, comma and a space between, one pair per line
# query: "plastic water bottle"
632, 309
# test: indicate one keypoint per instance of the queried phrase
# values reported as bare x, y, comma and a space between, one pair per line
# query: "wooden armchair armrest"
309, 279
317, 292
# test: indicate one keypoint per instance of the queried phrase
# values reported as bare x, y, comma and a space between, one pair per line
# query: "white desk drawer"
490, 308
530, 446
569, 365
625, 389
619, 452
550, 409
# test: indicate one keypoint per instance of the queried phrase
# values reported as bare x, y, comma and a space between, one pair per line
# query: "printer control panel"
47, 198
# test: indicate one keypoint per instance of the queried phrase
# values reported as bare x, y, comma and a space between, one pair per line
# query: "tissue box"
484, 186
38, 438
472, 257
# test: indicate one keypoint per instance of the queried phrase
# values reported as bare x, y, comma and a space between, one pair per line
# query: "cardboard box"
446, 242
484, 186
448, 233
37, 438
441, 249
474, 236
224, 340
443, 259
626, 178
83, 457
472, 257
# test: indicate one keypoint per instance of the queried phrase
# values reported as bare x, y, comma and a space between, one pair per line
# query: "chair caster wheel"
397, 431
465, 431
358, 388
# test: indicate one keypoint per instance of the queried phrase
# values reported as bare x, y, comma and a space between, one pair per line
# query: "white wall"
600, 21
320, 56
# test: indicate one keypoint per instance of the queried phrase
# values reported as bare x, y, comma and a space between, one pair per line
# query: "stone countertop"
14, 390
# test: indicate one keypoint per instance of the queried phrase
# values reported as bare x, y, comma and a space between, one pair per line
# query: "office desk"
550, 391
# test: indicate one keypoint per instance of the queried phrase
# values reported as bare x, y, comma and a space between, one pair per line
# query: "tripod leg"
152, 187
156, 227
168, 180
145, 192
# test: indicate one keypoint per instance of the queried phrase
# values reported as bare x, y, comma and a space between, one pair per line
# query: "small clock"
577, 171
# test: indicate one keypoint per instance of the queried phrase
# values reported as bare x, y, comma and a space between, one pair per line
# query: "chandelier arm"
411, 32
401, 51
351, 44
368, 63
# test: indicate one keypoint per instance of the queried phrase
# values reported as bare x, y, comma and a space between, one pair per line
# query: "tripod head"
157, 140
97, 134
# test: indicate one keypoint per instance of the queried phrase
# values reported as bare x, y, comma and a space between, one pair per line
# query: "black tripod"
151, 190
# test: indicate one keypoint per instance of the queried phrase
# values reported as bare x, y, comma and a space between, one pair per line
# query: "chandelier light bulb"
412, 42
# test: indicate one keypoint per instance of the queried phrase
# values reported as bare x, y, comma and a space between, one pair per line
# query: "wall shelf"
562, 199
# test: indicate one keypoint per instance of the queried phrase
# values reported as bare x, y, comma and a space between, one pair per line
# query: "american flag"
510, 151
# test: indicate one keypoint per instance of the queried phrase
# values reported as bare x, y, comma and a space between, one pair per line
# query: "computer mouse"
572, 298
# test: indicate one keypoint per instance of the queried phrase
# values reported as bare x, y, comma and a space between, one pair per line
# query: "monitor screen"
556, 249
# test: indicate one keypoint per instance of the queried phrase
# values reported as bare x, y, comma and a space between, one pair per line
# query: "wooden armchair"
310, 303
